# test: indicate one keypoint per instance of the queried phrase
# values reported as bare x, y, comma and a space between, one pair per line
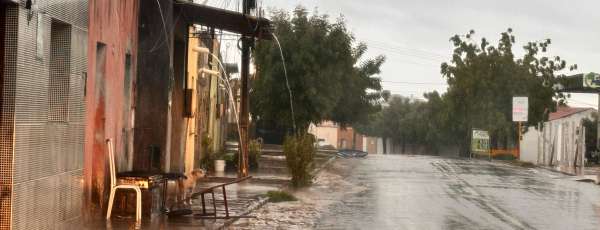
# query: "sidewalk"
242, 198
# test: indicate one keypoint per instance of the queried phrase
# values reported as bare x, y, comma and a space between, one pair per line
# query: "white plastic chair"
114, 186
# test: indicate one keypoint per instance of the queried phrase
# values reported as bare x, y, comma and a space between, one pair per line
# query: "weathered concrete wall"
347, 135
178, 119
154, 81
327, 131
371, 144
112, 51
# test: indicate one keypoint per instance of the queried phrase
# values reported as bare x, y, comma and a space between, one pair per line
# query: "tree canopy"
328, 75
482, 80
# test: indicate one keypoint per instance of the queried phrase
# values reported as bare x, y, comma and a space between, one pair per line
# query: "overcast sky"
414, 35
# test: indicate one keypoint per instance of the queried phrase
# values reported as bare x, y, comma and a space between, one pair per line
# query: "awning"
227, 20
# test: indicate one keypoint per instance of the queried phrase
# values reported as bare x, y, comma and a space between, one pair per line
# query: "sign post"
480, 143
520, 113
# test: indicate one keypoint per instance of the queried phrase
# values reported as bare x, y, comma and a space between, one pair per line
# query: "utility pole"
598, 125
245, 102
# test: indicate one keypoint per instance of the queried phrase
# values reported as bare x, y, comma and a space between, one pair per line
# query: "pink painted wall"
113, 23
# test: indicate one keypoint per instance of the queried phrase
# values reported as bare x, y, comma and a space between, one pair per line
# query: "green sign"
480, 142
591, 80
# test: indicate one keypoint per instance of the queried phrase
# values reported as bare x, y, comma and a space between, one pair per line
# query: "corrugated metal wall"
48, 152
7, 117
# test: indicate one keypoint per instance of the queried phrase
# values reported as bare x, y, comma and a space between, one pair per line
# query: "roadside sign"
520, 109
480, 142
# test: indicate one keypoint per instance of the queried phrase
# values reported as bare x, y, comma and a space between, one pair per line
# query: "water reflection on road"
421, 192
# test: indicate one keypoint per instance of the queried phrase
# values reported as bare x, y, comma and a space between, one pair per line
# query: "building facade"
329, 133
348, 138
43, 60
560, 141
110, 89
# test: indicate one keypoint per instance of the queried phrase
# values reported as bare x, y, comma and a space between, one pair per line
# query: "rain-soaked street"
421, 192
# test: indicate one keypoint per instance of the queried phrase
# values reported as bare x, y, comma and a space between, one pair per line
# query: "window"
60, 66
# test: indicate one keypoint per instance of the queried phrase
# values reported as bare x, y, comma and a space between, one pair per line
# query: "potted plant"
220, 161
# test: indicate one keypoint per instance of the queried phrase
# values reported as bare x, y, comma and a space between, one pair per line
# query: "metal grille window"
60, 66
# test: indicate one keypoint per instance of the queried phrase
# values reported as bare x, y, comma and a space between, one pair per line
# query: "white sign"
480, 142
480, 134
520, 109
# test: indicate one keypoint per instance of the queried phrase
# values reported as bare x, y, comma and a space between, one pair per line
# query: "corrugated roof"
565, 111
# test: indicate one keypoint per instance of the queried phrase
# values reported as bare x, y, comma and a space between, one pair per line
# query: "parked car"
351, 153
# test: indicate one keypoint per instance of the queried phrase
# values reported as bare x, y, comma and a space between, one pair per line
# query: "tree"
327, 75
418, 123
483, 79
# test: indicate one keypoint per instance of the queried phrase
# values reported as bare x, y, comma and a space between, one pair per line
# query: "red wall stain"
113, 23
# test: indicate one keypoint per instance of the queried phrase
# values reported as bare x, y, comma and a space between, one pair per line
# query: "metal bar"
225, 201
222, 217
164, 199
214, 203
203, 204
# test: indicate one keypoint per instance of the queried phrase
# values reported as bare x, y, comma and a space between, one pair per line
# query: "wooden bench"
211, 190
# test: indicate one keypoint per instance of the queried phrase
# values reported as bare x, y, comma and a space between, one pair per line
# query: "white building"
327, 131
560, 142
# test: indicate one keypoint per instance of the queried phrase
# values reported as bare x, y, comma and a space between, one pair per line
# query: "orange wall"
347, 135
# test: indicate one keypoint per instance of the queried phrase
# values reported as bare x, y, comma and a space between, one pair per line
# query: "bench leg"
225, 201
214, 202
203, 204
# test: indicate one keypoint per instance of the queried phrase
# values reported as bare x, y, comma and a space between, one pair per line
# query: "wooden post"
244, 103
519, 141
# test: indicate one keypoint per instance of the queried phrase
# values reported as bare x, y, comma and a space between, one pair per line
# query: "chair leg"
111, 200
138, 209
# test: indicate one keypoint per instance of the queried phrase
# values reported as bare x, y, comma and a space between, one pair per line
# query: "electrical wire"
162, 17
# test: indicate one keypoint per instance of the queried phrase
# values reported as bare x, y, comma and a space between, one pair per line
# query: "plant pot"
219, 165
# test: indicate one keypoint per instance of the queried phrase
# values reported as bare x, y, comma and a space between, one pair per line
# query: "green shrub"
299, 151
280, 196
231, 161
254, 152
208, 157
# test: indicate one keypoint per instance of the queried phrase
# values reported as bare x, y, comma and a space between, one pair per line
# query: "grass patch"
504, 157
280, 196
523, 164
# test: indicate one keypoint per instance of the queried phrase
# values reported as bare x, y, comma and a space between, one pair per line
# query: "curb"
557, 171
545, 168
258, 204
320, 168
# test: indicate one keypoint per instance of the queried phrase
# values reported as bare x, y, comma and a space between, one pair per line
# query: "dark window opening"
60, 68
2, 26
127, 112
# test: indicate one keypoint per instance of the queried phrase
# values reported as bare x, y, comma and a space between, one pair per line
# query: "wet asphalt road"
420, 192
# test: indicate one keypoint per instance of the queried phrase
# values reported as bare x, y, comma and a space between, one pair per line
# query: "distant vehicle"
351, 153
322, 144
